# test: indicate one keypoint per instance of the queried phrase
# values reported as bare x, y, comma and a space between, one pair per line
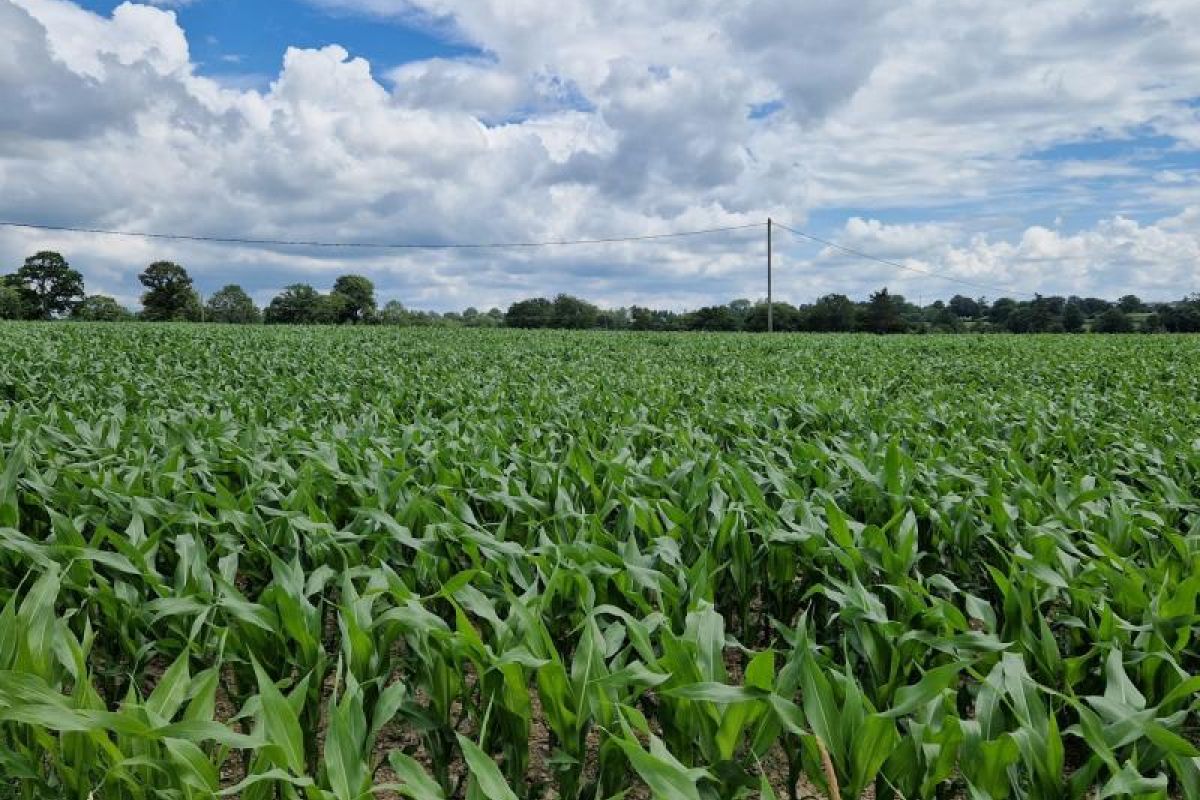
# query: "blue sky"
1054, 148
236, 39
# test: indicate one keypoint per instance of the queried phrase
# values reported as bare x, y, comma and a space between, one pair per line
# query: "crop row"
436, 564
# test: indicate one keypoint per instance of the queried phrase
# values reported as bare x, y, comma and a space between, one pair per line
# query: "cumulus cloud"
588, 118
1158, 260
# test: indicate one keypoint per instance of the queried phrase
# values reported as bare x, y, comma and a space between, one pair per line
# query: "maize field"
355, 563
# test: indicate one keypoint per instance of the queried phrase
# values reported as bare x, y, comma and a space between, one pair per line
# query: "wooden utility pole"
770, 299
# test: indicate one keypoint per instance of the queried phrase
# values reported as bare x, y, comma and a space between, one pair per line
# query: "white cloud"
1159, 261
588, 118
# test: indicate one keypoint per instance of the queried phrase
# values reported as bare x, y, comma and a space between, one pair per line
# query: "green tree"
833, 312
571, 312
1094, 305
332, 309
712, 318
1130, 304
169, 294
742, 308
1181, 317
613, 319
1113, 321
943, 319
474, 318
1001, 310
298, 304
232, 305
963, 306
784, 317
394, 313
536, 312
1020, 319
641, 319
12, 304
354, 298
1044, 314
883, 313
48, 286
1073, 318
100, 308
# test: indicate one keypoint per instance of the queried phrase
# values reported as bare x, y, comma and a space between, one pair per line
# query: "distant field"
317, 563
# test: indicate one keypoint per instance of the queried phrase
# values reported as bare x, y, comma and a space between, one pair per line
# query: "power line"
379, 245
898, 265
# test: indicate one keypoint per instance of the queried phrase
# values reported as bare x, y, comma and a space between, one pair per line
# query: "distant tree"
784, 317
1073, 318
473, 318
963, 306
354, 299
1019, 319
833, 312
100, 308
641, 318
536, 312
571, 312
941, 318
232, 305
169, 294
1094, 305
1001, 310
1181, 317
712, 318
12, 304
1045, 314
1113, 320
431, 319
882, 314
741, 309
298, 304
394, 313
48, 286
1130, 304
615, 319
333, 309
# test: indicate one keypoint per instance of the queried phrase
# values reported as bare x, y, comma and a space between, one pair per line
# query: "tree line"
882, 312
47, 288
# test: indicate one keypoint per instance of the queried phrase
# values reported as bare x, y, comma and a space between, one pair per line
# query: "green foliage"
169, 295
232, 305
537, 312
354, 297
326, 564
12, 304
1181, 317
299, 304
1113, 320
574, 314
46, 287
883, 313
564, 311
100, 308
1073, 318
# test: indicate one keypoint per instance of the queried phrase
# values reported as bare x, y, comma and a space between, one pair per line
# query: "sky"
990, 147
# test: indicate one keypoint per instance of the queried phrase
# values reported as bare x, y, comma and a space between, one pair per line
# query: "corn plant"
295, 564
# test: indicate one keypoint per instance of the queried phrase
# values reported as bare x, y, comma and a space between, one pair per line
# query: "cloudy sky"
1049, 146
